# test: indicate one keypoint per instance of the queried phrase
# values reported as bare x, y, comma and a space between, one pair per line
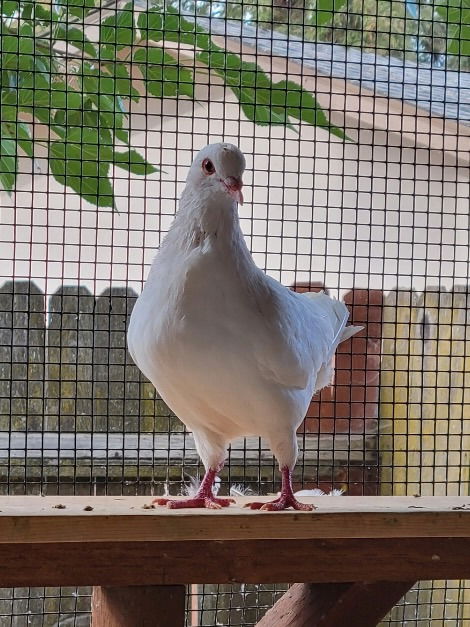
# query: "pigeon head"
218, 168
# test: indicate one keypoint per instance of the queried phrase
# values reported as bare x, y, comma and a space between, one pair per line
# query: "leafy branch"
456, 15
79, 89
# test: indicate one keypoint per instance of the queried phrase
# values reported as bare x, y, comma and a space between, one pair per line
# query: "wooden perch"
112, 542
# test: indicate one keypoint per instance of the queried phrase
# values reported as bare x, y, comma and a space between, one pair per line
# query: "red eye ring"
208, 167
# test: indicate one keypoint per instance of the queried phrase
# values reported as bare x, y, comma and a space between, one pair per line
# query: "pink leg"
203, 498
285, 500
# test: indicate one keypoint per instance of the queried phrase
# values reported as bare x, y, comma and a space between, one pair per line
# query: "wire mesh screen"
354, 118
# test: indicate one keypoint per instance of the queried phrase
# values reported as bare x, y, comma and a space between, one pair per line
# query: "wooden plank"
145, 606
249, 561
33, 519
53, 447
356, 604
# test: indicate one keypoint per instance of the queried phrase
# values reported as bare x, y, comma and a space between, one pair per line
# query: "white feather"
318, 492
240, 490
191, 488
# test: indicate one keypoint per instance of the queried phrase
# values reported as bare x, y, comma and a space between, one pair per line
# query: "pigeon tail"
339, 314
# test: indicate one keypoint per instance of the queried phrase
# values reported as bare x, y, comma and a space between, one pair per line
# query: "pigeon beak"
234, 186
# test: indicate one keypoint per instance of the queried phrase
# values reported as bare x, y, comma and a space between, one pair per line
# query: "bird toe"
254, 505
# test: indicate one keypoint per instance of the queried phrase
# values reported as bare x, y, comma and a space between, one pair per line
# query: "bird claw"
254, 505
224, 502
217, 503
204, 502
280, 504
159, 501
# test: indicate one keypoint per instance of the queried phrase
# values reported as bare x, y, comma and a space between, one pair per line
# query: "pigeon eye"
208, 166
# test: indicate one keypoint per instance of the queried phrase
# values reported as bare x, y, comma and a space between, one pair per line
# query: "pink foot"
207, 502
285, 500
203, 498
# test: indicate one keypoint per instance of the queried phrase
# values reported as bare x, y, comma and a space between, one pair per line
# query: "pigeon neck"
215, 215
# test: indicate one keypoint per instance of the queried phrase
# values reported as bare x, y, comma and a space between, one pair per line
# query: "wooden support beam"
138, 606
359, 604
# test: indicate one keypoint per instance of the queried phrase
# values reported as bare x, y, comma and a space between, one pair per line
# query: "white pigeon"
229, 349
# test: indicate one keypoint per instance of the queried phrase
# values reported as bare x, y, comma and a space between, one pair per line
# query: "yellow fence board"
425, 421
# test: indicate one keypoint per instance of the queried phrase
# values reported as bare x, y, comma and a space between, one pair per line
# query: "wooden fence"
64, 368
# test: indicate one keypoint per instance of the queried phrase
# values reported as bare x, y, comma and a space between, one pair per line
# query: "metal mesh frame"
382, 222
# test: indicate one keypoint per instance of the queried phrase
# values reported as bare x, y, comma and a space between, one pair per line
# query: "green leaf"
9, 8
77, 165
43, 114
91, 118
456, 14
8, 113
9, 48
7, 162
106, 103
171, 26
27, 10
26, 33
110, 120
42, 66
106, 138
13, 60
102, 90
123, 135
124, 85
162, 74
460, 45
262, 101
41, 13
78, 8
77, 37
9, 44
257, 108
33, 98
122, 80
177, 28
155, 88
301, 105
325, 10
23, 59
60, 117
32, 92
24, 140
63, 96
150, 61
133, 162
150, 24
250, 84
7, 79
90, 140
33, 80
149, 56
118, 29
89, 83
